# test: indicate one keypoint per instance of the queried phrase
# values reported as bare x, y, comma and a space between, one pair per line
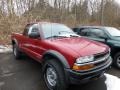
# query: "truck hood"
116, 41
80, 46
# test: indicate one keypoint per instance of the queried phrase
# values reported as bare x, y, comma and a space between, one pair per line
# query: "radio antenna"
51, 31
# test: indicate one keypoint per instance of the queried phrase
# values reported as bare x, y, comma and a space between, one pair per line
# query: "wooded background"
15, 14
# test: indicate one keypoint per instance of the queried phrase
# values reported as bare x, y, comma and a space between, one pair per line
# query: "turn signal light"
85, 67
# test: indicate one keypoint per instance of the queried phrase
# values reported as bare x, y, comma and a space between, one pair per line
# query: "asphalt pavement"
25, 74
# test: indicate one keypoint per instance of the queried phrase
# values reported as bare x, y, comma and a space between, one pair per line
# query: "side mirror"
34, 35
105, 38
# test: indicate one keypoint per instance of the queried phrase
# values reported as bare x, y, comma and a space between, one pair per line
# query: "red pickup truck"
66, 57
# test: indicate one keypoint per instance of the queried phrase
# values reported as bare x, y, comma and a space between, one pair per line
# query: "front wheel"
116, 60
54, 76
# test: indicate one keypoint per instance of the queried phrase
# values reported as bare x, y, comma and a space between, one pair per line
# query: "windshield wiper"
71, 34
74, 36
55, 36
65, 32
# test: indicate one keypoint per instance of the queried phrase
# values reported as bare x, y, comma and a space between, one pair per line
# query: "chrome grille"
102, 56
98, 59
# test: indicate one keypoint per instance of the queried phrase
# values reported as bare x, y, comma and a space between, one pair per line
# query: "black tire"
60, 80
116, 61
16, 52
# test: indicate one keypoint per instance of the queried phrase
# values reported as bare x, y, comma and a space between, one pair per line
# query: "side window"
34, 29
97, 33
84, 32
26, 30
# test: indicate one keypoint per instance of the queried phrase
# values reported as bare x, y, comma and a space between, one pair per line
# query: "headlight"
85, 59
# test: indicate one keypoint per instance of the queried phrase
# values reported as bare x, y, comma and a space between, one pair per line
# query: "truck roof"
92, 27
41, 23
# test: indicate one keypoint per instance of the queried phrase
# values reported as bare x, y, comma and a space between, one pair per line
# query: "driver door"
34, 43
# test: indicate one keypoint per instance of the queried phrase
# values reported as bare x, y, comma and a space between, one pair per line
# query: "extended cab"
66, 57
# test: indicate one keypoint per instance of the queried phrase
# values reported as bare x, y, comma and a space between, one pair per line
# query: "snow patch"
5, 48
112, 82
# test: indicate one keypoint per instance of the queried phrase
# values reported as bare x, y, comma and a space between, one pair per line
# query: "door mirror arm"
106, 39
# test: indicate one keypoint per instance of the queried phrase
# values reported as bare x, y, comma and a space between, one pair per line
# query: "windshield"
113, 31
56, 30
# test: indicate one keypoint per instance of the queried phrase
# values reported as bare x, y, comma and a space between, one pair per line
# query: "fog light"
85, 67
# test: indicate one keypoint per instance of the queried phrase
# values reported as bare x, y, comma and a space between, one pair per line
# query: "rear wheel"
54, 75
116, 60
16, 51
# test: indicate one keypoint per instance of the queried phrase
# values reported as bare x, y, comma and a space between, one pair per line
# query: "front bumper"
81, 77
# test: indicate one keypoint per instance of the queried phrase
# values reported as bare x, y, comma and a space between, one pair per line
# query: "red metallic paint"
71, 48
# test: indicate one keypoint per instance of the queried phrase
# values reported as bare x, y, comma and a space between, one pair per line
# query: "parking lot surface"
25, 74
